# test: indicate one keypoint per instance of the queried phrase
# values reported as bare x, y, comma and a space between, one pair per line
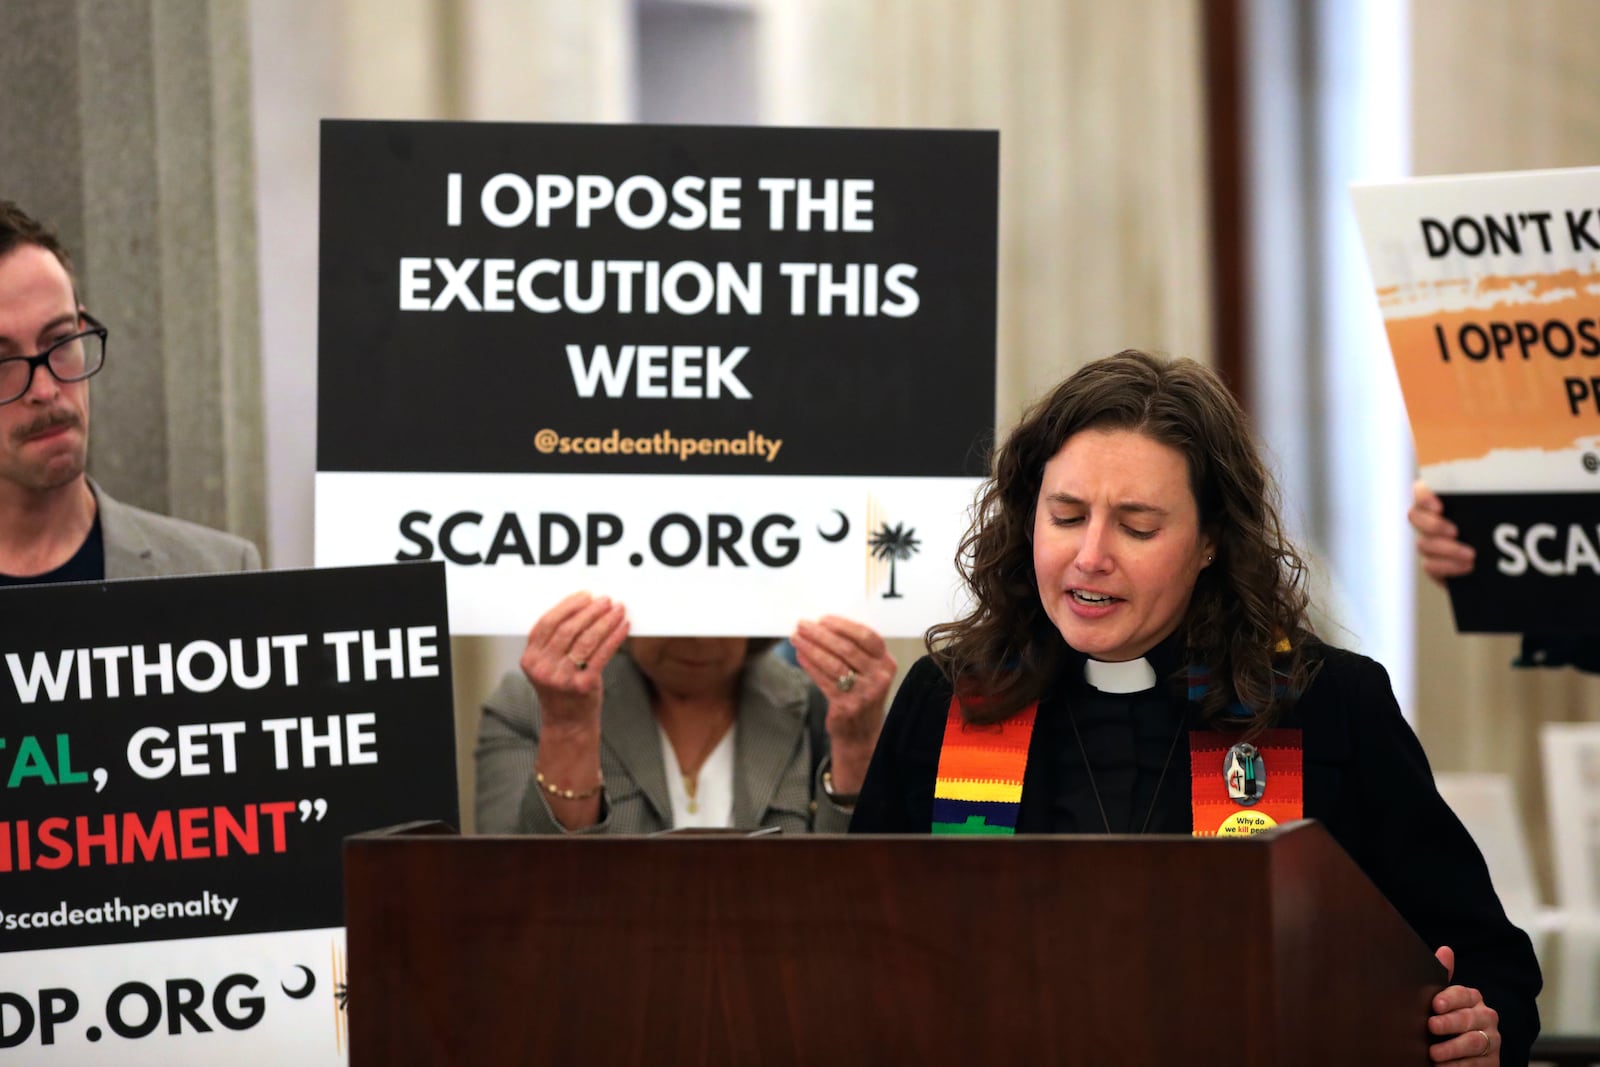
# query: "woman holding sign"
599, 733
1140, 660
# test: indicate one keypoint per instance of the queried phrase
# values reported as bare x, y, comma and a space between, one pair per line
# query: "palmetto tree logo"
893, 543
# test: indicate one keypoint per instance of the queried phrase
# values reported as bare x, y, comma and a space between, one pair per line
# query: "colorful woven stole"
979, 787
1216, 814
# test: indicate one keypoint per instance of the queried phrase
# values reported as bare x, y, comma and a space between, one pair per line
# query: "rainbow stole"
1215, 813
1218, 815
979, 788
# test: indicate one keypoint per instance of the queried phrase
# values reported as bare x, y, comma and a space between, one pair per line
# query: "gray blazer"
142, 544
773, 782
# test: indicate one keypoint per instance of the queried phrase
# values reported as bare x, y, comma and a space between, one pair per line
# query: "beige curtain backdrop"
1526, 102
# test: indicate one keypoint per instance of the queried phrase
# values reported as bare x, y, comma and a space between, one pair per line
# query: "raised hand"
1438, 542
851, 664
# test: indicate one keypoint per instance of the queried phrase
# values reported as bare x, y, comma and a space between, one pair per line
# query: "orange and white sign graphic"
1490, 291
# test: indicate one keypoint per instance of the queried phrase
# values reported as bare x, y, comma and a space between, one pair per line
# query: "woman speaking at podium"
1138, 660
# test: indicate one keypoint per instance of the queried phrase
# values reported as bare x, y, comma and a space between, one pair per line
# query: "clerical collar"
1131, 676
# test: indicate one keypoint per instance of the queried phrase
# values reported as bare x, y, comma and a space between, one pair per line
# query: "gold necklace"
691, 779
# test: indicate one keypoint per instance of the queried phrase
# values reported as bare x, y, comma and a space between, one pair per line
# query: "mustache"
50, 420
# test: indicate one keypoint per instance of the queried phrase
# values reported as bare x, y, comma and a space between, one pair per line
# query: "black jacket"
1366, 779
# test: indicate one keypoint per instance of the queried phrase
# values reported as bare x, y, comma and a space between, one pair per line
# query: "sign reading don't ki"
180, 761
1489, 287
732, 376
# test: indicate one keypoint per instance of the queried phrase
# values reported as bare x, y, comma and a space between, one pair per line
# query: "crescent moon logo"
305, 990
844, 528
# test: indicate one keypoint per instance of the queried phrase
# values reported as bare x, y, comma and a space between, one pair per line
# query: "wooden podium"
833, 951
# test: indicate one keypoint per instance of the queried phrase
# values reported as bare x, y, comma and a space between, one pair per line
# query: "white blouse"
713, 795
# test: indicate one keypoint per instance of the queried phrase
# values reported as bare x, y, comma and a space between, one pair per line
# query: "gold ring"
846, 681
1487, 1044
581, 664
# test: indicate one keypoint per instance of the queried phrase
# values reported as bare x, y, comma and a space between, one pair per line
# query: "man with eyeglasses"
55, 524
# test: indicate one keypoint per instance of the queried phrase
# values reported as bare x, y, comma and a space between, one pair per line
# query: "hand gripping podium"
670, 950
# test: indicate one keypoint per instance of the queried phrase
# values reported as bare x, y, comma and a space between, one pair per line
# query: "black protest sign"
621, 300
182, 757
1538, 562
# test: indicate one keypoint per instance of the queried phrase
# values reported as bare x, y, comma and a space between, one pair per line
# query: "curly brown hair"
1005, 652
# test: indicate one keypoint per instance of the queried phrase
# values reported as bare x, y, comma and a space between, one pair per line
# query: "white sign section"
688, 555
263, 999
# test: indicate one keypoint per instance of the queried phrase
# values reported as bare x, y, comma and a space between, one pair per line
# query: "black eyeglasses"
71, 359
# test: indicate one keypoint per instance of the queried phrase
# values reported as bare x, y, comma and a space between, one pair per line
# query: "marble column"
127, 126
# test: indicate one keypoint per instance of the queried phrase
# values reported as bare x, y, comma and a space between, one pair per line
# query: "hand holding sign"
1438, 543
567, 649
851, 664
